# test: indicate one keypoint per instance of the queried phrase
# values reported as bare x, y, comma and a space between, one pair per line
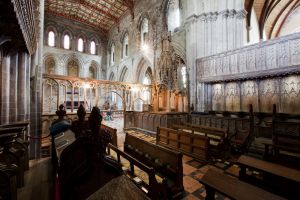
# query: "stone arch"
97, 42
73, 68
179, 50
69, 32
66, 58
93, 71
124, 33
141, 19
50, 65
46, 34
85, 42
124, 74
111, 76
141, 69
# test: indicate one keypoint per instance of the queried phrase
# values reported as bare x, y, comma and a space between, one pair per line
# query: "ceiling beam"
294, 6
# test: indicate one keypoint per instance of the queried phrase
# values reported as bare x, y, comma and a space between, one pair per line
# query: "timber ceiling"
271, 14
101, 14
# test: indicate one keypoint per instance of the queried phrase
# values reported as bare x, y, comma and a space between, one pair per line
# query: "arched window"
80, 45
51, 39
125, 46
144, 32
112, 54
173, 15
67, 42
93, 47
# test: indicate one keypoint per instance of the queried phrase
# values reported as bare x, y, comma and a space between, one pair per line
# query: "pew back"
190, 144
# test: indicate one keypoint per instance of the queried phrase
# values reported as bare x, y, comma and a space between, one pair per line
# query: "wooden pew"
154, 189
167, 163
8, 181
276, 178
193, 145
21, 141
285, 135
233, 188
112, 132
217, 136
10, 154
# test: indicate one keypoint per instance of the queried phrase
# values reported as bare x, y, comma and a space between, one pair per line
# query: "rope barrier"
38, 138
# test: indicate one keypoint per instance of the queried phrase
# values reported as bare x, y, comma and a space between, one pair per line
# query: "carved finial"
81, 112
61, 112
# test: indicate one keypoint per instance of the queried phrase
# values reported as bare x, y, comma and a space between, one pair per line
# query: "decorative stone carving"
275, 56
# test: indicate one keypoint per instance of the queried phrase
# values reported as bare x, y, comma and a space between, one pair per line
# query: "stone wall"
62, 56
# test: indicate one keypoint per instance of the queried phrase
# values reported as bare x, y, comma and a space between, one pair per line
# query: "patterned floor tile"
195, 163
198, 192
187, 169
198, 174
190, 185
190, 197
185, 158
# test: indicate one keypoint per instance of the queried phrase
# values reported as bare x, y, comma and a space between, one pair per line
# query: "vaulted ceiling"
271, 14
101, 14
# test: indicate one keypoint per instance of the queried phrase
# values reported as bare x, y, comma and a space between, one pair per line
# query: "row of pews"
14, 159
275, 181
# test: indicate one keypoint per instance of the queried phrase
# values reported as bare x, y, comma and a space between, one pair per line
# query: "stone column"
191, 54
22, 86
36, 89
5, 76
13, 87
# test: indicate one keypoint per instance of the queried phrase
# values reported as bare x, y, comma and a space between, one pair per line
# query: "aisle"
38, 181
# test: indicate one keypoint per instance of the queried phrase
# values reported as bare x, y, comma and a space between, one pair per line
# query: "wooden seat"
233, 188
275, 178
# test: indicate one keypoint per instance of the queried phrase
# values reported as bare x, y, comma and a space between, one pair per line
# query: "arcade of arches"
148, 64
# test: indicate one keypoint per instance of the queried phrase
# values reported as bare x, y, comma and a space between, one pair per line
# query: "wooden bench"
154, 189
167, 163
112, 132
190, 144
232, 187
217, 136
276, 178
285, 135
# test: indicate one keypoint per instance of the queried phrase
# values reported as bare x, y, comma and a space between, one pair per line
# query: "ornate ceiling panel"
102, 14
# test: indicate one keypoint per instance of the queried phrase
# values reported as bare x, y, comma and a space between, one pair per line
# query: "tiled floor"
193, 170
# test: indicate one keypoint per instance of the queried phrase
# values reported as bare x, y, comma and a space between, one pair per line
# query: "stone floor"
193, 170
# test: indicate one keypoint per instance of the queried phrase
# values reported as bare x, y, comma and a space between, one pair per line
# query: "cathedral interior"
149, 99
